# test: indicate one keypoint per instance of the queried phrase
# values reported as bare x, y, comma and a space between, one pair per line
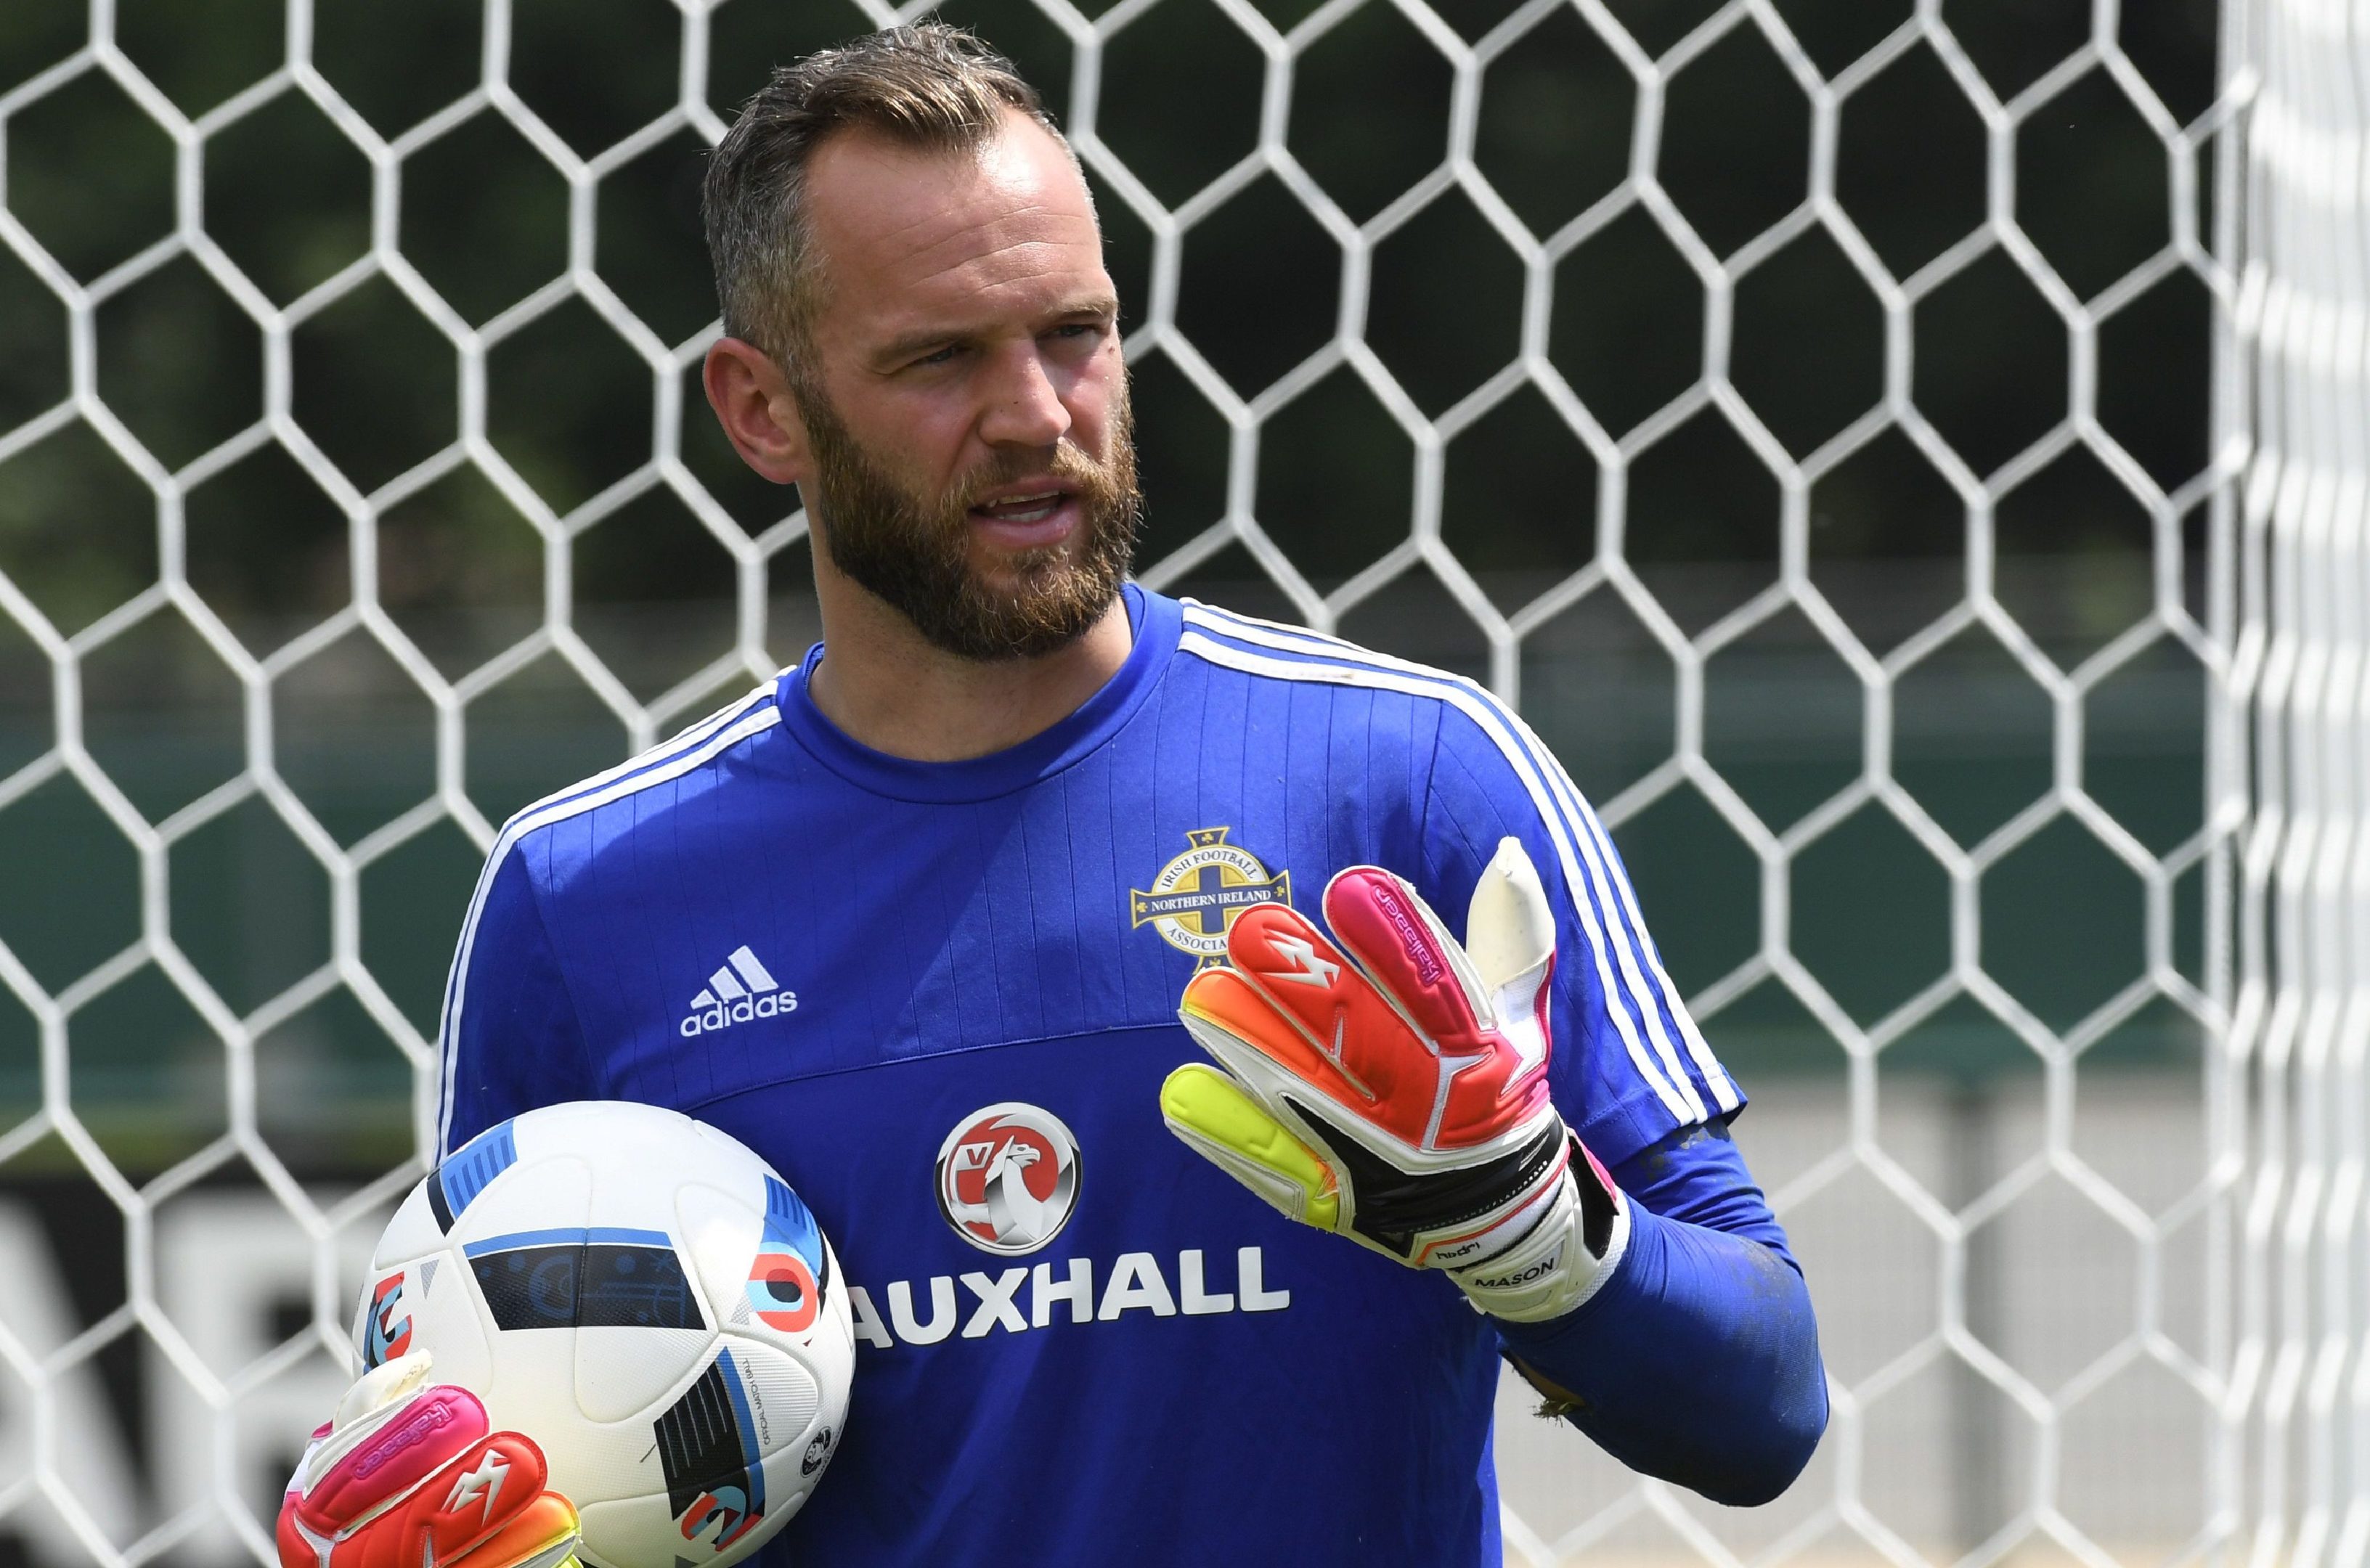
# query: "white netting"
1998, 1099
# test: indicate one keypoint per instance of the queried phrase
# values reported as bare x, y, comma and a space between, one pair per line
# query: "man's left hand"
1394, 1089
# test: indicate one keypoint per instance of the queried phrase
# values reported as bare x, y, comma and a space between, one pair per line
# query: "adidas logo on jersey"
741, 989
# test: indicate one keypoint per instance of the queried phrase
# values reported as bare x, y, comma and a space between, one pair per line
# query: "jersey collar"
1156, 621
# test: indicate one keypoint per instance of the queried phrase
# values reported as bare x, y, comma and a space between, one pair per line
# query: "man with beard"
914, 921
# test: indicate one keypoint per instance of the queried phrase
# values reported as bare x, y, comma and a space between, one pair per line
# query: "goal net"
1906, 458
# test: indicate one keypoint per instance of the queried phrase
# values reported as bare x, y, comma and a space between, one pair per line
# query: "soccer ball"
644, 1297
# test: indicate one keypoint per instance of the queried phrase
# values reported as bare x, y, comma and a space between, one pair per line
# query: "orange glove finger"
1400, 943
540, 1534
490, 1499
1303, 1004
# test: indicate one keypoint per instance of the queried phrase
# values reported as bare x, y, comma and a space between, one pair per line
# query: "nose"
1023, 407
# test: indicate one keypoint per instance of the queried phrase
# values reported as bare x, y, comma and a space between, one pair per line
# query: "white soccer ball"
644, 1297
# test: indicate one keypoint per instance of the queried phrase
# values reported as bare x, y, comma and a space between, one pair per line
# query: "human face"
963, 397
918, 553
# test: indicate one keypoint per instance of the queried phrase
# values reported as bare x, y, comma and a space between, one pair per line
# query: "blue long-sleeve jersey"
940, 999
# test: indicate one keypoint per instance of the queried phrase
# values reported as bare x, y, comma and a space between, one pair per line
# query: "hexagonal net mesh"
1820, 415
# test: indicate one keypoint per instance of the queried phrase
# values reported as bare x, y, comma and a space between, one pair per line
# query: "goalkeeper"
914, 919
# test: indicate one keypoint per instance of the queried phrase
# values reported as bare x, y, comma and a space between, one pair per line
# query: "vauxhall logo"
1007, 1177
741, 989
1008, 1181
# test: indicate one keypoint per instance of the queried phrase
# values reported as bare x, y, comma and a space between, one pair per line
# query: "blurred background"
1802, 408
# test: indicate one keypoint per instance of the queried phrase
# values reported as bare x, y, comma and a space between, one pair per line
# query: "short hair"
931, 87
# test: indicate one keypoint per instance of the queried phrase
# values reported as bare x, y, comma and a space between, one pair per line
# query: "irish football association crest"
1197, 896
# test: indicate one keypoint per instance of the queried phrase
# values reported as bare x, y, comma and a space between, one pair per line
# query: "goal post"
2300, 1388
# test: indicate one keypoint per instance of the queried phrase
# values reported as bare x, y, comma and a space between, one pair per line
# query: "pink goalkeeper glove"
411, 1474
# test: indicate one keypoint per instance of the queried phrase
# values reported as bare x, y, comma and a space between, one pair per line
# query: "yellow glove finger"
1235, 1132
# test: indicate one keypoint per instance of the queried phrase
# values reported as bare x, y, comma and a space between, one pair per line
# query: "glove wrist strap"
1580, 1237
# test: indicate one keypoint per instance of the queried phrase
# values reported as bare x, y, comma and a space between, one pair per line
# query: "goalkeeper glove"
1398, 1094
410, 1474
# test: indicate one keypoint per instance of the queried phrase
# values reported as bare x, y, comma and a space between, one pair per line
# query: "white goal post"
2299, 1391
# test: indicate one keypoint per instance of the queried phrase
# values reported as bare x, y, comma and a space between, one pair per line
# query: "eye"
1078, 333
945, 356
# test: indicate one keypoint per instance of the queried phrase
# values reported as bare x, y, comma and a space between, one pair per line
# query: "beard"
914, 552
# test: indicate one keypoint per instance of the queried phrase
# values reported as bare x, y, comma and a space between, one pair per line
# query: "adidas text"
721, 1016
740, 990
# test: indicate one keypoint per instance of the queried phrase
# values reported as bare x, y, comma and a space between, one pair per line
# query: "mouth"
1030, 518
1035, 506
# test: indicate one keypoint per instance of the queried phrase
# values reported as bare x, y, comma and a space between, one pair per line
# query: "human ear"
760, 414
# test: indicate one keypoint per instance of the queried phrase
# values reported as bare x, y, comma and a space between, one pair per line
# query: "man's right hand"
410, 1474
